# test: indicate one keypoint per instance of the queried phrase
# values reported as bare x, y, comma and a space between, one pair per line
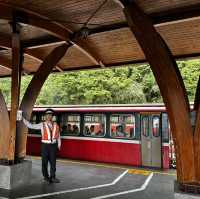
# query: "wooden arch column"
15, 87
33, 91
171, 87
4, 129
197, 131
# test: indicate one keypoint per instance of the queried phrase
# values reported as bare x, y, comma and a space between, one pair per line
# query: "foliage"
130, 84
190, 72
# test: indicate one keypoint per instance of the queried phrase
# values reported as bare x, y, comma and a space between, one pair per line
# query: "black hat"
49, 111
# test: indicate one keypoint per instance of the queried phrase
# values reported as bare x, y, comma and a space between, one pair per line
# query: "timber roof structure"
102, 36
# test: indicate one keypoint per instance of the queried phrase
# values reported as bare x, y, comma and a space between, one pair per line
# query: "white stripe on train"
93, 139
98, 139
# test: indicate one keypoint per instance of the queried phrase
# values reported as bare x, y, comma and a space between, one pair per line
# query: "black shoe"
54, 180
47, 179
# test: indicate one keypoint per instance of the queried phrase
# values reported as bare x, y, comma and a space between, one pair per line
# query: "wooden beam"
63, 33
5, 43
5, 40
15, 88
41, 42
81, 44
4, 129
171, 87
172, 15
59, 68
5, 62
37, 56
33, 91
176, 14
6, 67
56, 29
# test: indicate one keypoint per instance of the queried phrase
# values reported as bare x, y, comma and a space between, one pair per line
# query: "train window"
94, 125
70, 124
33, 118
43, 118
156, 126
145, 126
165, 128
122, 126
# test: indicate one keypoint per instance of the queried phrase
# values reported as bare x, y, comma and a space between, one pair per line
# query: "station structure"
40, 37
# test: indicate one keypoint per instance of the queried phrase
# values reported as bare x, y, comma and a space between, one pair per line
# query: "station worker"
50, 143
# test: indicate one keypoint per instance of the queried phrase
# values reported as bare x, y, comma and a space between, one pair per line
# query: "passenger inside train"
87, 130
92, 131
69, 129
75, 129
120, 131
100, 131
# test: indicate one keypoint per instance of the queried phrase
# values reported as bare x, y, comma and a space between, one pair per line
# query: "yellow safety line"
164, 173
139, 172
130, 171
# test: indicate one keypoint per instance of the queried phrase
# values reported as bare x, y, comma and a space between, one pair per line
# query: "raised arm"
32, 126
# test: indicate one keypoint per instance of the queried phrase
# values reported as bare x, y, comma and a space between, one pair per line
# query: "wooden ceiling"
46, 24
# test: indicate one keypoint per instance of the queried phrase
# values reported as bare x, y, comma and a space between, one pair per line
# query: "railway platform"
84, 180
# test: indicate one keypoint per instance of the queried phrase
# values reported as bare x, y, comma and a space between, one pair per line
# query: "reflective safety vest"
50, 134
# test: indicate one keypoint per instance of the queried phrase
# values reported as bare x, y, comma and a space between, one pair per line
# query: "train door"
151, 140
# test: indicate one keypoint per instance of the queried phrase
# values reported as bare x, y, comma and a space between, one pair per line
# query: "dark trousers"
49, 155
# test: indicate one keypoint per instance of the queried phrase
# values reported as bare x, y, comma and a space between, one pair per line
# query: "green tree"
190, 71
127, 84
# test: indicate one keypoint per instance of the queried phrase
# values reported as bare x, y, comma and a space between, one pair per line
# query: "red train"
137, 135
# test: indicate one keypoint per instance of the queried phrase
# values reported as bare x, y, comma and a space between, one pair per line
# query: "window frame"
158, 117
142, 126
67, 121
118, 122
54, 119
105, 125
165, 121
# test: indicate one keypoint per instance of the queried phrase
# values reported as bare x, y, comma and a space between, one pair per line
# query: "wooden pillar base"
186, 191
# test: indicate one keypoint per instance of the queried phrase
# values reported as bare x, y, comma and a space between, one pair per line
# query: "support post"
197, 131
15, 88
33, 91
171, 86
4, 129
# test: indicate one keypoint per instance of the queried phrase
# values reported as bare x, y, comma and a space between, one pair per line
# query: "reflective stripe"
44, 133
49, 141
46, 130
54, 131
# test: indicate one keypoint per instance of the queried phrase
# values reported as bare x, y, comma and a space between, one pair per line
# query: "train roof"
158, 107
104, 108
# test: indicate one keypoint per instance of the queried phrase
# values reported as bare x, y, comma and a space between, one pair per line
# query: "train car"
137, 135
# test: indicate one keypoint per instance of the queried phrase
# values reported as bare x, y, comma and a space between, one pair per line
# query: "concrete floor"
83, 180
